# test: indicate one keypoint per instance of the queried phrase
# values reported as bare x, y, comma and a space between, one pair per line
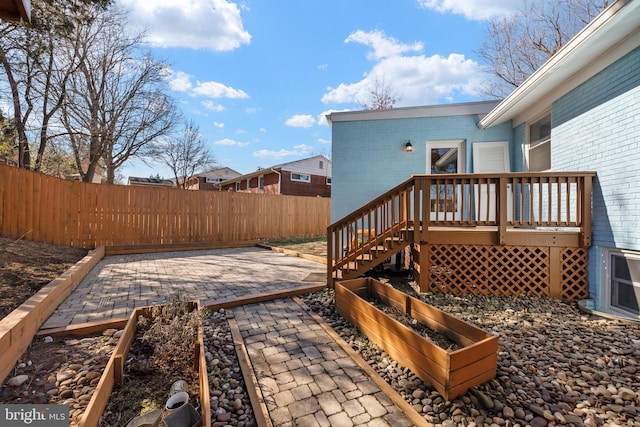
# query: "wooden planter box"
114, 372
452, 373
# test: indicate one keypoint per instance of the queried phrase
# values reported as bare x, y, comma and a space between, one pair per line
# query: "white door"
446, 157
490, 157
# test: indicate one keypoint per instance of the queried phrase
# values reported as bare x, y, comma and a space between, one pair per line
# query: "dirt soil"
25, 267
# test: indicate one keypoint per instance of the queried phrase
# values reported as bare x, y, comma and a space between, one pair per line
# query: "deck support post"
555, 272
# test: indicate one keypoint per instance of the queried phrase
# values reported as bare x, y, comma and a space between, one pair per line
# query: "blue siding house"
372, 146
579, 112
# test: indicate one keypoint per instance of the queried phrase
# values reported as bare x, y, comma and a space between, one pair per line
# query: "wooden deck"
534, 229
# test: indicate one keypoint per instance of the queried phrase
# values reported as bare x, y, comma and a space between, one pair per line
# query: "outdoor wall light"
408, 147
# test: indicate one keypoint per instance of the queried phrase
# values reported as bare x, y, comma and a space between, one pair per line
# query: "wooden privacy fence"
47, 209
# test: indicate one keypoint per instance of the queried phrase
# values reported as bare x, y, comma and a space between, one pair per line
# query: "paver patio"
120, 283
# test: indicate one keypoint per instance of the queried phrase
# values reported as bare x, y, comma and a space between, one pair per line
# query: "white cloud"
412, 79
231, 143
298, 150
382, 45
324, 141
322, 117
219, 125
179, 81
301, 121
218, 90
197, 24
212, 106
473, 9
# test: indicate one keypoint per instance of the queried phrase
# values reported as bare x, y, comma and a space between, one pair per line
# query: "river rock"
18, 380
508, 413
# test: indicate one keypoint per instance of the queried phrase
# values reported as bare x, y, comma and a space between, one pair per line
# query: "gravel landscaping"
61, 371
230, 404
556, 365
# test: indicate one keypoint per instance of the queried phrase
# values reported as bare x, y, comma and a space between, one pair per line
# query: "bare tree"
37, 71
184, 153
13, 60
117, 102
381, 96
517, 45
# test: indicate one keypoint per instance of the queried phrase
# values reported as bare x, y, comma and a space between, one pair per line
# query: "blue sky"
258, 77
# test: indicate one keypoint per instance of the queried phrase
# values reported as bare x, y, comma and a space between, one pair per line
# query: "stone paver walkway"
305, 376
120, 283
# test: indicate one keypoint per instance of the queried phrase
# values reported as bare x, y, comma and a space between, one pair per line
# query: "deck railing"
409, 211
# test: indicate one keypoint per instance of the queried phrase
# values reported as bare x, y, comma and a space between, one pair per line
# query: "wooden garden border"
314, 258
177, 247
18, 328
114, 370
113, 373
452, 373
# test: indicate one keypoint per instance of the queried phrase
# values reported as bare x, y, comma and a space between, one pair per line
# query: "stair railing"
368, 233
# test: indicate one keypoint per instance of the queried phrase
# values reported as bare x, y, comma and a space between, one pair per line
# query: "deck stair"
371, 235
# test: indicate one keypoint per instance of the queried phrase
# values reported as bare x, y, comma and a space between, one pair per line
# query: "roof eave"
15, 10
439, 110
580, 51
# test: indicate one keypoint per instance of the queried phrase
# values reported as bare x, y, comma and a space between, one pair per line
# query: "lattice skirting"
504, 270
575, 273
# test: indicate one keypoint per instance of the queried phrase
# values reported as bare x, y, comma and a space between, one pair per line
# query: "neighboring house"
306, 177
210, 181
579, 112
97, 177
150, 182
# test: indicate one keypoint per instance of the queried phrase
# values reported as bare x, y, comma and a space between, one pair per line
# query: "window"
261, 183
621, 282
212, 180
328, 181
238, 186
625, 282
540, 144
321, 164
300, 177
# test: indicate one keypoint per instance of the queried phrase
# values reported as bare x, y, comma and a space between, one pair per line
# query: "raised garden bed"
114, 372
451, 372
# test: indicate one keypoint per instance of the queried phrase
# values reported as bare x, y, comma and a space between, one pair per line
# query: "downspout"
279, 179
